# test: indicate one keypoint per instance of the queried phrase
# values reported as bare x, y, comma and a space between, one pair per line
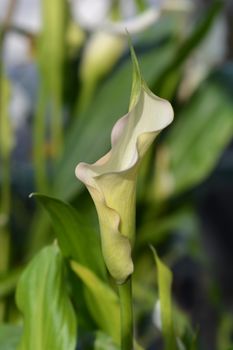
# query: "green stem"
39, 131
126, 308
85, 96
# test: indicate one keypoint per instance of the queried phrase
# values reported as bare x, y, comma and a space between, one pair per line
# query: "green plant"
65, 293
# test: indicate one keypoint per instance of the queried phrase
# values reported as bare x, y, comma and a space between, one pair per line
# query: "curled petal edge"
115, 245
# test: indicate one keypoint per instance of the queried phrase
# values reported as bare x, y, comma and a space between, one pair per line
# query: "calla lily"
111, 181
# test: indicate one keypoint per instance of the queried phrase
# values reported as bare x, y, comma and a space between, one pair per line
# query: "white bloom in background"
205, 57
88, 13
16, 55
15, 43
92, 15
101, 52
19, 106
27, 14
156, 315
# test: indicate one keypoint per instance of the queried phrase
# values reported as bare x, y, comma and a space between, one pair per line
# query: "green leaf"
190, 339
170, 76
155, 231
76, 237
164, 284
103, 303
9, 336
8, 281
49, 319
104, 342
201, 132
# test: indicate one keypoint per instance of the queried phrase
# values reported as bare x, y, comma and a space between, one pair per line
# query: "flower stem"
126, 308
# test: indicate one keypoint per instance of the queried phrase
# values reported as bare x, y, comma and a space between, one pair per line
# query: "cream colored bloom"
111, 181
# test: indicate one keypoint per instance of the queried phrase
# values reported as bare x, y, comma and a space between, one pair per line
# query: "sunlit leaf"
102, 302
49, 319
76, 237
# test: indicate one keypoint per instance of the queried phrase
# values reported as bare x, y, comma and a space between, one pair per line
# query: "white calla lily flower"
111, 181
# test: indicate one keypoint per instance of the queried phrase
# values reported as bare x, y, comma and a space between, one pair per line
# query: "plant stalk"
126, 310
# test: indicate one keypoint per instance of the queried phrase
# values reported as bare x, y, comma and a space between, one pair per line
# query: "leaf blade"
75, 236
201, 132
49, 319
102, 301
164, 284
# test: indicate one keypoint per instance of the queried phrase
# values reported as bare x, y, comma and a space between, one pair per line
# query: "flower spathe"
111, 181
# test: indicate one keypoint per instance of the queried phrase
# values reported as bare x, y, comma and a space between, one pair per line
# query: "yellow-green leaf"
103, 303
164, 284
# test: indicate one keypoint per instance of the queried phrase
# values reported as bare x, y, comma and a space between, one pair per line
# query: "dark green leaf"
190, 339
8, 281
49, 319
200, 133
76, 237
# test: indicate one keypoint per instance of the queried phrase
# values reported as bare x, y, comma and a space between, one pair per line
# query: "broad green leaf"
201, 132
103, 303
77, 239
164, 284
42, 297
9, 336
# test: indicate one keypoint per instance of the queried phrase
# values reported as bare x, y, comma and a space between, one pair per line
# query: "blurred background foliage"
65, 76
